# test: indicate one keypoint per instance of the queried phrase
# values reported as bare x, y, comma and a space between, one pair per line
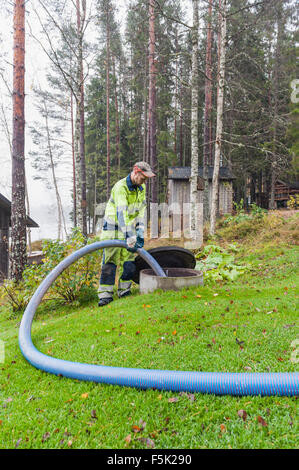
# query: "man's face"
139, 178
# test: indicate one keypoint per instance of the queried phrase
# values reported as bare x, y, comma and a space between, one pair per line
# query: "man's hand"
131, 241
134, 243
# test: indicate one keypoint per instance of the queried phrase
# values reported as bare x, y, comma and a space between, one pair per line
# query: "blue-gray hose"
219, 383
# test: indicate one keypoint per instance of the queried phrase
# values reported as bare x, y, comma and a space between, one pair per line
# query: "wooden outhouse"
5, 213
179, 187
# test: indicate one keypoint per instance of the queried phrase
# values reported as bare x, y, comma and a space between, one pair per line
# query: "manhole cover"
167, 257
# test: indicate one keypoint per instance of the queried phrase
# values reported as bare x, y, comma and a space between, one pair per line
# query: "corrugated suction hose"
220, 383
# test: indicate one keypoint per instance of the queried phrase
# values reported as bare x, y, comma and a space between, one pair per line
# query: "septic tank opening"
176, 279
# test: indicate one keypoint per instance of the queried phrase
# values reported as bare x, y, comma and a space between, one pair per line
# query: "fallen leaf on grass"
146, 440
261, 421
239, 342
289, 326
94, 414
84, 395
136, 428
128, 438
222, 428
242, 414
141, 426
46, 436
173, 399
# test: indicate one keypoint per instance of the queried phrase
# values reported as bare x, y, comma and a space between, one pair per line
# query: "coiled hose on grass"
219, 383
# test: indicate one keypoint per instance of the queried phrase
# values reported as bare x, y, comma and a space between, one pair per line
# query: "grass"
244, 326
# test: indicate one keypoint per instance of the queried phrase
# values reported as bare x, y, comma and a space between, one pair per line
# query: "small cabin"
5, 224
283, 191
179, 187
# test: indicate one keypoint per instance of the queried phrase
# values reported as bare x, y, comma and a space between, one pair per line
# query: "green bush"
218, 264
74, 282
241, 215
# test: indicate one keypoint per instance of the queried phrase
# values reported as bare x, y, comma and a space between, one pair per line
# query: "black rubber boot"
124, 293
105, 301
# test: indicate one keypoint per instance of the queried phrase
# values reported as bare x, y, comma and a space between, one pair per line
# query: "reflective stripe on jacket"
124, 211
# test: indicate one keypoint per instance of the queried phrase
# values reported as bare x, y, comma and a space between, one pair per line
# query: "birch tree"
152, 137
207, 115
219, 121
48, 151
81, 25
194, 126
60, 28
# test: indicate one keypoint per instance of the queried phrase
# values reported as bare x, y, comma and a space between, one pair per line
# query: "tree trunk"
207, 116
80, 25
176, 92
74, 163
78, 165
108, 104
276, 87
181, 126
194, 127
152, 102
18, 209
117, 137
219, 125
145, 121
52, 166
27, 205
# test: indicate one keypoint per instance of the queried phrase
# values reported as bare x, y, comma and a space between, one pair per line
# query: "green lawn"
243, 326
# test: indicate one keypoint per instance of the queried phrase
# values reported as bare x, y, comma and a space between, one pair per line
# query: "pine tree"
18, 210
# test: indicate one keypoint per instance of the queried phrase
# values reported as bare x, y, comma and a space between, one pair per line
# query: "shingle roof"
184, 172
5, 204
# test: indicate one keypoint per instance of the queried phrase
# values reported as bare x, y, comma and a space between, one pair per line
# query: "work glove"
135, 242
140, 237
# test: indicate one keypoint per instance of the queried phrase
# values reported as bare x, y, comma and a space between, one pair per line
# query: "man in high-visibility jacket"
123, 220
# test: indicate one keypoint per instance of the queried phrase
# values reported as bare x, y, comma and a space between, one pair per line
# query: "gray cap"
145, 169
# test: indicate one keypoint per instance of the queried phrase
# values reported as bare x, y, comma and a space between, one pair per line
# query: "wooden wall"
4, 233
179, 192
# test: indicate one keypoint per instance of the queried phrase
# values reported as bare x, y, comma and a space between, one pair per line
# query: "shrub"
218, 264
293, 202
74, 282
